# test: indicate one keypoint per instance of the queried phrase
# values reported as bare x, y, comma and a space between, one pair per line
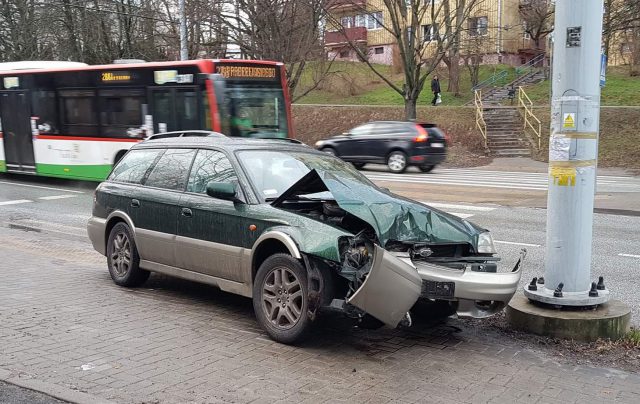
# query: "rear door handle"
186, 212
135, 203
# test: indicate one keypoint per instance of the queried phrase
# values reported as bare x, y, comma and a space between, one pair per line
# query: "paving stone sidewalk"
63, 322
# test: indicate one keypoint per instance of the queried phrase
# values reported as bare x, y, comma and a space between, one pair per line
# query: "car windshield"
273, 172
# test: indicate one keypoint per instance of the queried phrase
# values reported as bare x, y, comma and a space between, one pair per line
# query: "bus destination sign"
118, 76
247, 72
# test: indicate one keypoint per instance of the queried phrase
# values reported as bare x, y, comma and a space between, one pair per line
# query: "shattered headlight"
485, 244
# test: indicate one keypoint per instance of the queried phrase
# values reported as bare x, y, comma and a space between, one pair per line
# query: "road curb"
50, 389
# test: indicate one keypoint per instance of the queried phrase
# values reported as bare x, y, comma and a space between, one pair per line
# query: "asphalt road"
12, 394
61, 208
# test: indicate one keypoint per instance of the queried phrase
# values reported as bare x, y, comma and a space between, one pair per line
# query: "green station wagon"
297, 230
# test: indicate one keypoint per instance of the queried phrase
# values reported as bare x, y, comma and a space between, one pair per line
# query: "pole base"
572, 299
610, 320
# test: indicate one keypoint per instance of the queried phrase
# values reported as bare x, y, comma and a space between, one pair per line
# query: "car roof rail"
185, 133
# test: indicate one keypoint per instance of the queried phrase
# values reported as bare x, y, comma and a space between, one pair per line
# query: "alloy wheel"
282, 298
397, 161
121, 254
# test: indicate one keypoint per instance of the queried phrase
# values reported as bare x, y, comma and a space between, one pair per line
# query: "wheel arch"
114, 218
269, 243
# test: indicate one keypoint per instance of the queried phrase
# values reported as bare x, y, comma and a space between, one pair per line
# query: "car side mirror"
222, 190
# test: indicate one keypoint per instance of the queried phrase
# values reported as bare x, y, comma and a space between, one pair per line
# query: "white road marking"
453, 206
512, 243
40, 186
17, 201
53, 197
629, 255
461, 215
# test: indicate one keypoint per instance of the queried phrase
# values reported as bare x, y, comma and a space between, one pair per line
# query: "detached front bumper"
478, 294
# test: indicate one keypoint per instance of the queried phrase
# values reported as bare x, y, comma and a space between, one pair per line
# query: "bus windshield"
251, 111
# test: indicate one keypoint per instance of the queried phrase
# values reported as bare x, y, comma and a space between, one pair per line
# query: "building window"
429, 32
478, 26
347, 22
369, 21
379, 50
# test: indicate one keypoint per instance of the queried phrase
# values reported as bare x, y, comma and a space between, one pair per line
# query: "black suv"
396, 144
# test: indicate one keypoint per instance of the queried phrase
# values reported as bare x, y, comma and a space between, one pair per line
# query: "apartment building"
494, 30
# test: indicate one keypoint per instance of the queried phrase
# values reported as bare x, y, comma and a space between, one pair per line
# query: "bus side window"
79, 115
121, 112
45, 107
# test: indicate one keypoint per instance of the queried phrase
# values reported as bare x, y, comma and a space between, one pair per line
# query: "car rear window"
134, 166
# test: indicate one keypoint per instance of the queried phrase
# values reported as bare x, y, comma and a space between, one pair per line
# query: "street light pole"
573, 153
184, 55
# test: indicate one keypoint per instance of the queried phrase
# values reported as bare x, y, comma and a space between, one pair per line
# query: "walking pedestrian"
435, 89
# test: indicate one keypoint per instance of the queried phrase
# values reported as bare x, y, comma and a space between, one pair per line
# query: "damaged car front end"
398, 251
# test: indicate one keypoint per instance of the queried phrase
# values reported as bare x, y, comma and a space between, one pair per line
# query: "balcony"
355, 34
344, 5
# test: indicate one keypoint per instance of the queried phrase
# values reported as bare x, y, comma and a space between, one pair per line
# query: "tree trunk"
410, 108
454, 75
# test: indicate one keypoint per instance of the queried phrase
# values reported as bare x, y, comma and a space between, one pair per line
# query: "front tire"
280, 298
330, 150
397, 162
123, 259
358, 166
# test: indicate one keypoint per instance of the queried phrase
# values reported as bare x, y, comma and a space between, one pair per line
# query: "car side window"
170, 172
134, 166
361, 130
210, 165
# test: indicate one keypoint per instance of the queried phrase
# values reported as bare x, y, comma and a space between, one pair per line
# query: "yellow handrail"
527, 106
480, 122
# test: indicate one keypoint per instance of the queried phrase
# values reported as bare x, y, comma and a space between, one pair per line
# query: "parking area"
65, 323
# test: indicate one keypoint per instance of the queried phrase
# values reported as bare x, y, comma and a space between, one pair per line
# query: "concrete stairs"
496, 95
505, 135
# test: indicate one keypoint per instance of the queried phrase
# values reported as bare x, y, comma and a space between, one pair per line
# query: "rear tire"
123, 259
280, 298
397, 162
427, 168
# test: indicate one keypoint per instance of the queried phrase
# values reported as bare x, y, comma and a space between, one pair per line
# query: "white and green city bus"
75, 121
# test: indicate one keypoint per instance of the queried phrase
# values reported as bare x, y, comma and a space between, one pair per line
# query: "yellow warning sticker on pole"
569, 121
563, 176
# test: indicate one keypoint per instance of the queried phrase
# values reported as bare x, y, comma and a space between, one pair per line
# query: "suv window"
171, 170
134, 165
361, 130
210, 165
390, 128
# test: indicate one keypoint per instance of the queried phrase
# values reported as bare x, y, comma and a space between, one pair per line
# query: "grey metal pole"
573, 153
184, 55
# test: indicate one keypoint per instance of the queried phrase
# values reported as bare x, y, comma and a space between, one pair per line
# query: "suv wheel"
280, 295
123, 259
427, 168
397, 162
358, 165
330, 150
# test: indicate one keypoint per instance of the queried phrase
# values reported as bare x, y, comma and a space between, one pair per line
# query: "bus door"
175, 108
15, 112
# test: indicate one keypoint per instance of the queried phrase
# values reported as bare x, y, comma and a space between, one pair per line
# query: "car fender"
282, 237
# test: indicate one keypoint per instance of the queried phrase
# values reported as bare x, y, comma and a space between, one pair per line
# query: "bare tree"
419, 53
620, 16
283, 30
537, 19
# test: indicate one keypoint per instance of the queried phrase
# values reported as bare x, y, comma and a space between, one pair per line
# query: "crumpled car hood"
392, 217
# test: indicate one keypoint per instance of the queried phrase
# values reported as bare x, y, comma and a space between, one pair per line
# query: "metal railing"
530, 120
531, 65
498, 77
480, 122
